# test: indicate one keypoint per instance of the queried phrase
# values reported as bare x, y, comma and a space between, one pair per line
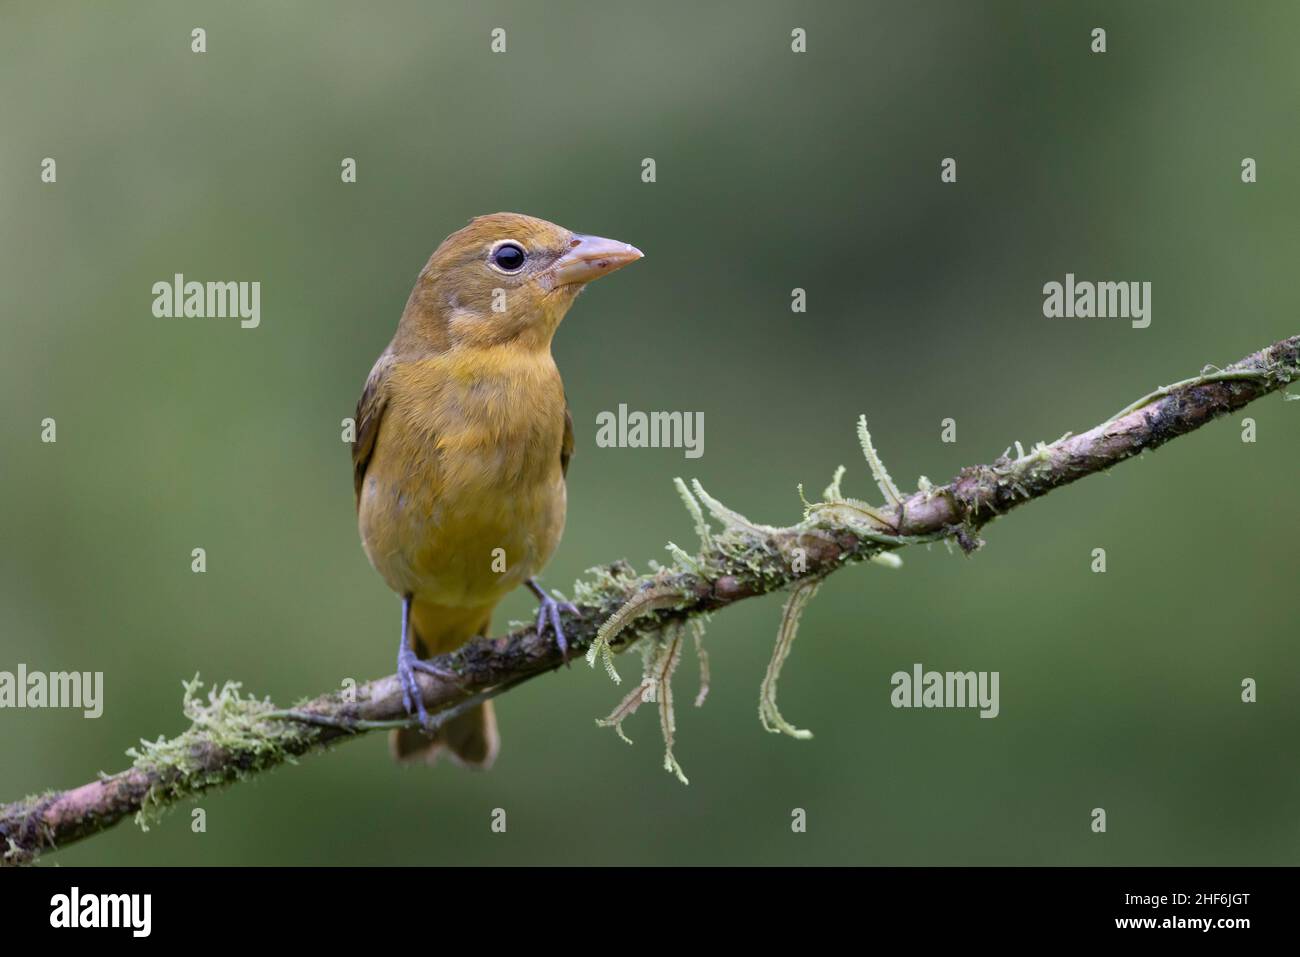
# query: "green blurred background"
775, 170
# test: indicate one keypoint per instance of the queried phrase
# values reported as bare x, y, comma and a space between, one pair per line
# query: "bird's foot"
408, 663
548, 613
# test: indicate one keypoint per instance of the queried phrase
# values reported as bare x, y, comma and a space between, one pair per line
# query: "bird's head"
506, 278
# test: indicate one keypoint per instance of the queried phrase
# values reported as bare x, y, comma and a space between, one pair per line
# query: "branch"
233, 737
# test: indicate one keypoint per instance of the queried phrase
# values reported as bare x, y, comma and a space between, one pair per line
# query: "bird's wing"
370, 411
566, 446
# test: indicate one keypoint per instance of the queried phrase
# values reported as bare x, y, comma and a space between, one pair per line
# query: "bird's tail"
469, 739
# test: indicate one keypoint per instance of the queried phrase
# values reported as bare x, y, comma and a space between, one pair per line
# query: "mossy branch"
232, 737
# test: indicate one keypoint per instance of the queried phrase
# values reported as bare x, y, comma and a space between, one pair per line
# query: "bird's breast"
464, 497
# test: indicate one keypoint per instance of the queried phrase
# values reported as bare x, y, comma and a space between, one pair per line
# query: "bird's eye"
509, 257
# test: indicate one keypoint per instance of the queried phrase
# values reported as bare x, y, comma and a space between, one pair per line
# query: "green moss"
230, 737
608, 584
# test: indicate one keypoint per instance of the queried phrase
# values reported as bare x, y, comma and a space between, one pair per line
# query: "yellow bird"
463, 442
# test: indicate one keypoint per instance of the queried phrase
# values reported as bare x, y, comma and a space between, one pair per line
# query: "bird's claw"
548, 613
412, 699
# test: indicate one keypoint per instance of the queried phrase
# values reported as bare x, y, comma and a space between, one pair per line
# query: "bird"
462, 447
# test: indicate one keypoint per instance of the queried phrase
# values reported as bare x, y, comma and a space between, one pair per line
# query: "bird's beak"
590, 257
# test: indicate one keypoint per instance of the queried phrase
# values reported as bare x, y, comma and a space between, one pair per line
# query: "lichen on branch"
232, 737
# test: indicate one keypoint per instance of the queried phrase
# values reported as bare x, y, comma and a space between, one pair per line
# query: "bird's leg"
408, 663
548, 612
